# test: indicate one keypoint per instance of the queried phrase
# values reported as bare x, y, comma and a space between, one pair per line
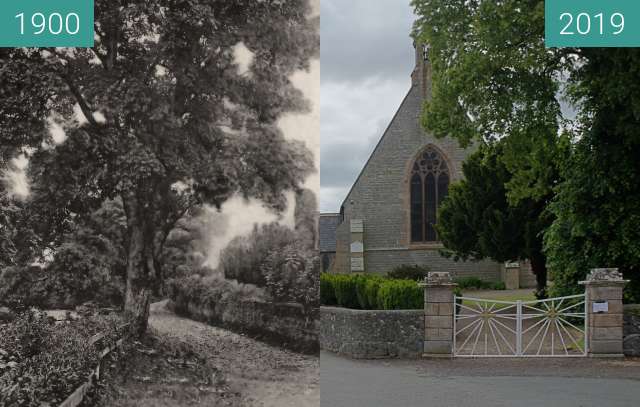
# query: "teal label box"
592, 23
46, 23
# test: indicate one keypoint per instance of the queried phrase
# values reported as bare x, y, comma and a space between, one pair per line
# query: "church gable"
394, 200
380, 195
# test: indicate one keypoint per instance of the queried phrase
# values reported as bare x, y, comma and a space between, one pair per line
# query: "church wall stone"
380, 195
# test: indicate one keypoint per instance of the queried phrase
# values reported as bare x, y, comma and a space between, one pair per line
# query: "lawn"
499, 295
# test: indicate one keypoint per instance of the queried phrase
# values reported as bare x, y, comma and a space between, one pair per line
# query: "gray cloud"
363, 38
367, 58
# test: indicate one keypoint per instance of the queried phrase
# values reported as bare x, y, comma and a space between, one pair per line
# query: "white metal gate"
555, 327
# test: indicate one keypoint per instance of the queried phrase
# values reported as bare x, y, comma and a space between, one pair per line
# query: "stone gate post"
438, 315
604, 288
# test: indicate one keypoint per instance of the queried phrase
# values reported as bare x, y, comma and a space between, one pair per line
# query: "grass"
509, 295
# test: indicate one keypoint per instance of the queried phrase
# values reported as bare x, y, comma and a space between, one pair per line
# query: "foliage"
477, 221
292, 274
242, 258
493, 79
42, 363
210, 291
87, 265
466, 283
185, 251
159, 114
409, 272
366, 291
327, 290
371, 288
400, 294
345, 287
597, 207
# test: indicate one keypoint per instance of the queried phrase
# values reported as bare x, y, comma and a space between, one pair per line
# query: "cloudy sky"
367, 59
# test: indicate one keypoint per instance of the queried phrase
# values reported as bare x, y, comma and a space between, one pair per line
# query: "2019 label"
582, 23
592, 23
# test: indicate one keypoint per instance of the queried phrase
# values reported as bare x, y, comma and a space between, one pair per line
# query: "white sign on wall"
357, 226
357, 247
600, 307
357, 264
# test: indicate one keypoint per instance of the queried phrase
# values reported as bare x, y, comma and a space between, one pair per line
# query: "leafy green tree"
165, 119
493, 79
598, 205
476, 221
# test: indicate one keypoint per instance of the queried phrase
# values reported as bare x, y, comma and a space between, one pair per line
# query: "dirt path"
265, 376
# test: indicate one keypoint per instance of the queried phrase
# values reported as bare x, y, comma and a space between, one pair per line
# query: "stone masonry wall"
284, 324
372, 334
380, 197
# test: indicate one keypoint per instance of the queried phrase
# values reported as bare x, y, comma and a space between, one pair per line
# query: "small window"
425, 52
429, 187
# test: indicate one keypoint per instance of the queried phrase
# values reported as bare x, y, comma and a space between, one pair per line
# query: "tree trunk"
141, 271
539, 268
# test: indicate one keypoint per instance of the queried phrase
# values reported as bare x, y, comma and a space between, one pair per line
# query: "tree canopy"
567, 119
159, 114
476, 221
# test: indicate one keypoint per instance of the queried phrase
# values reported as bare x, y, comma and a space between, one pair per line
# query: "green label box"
46, 23
592, 23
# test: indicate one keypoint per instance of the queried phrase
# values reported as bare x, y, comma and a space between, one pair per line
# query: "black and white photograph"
159, 207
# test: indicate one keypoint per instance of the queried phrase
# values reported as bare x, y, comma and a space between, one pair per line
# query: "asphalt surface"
479, 382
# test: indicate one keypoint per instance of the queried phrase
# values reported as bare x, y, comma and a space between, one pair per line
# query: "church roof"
328, 224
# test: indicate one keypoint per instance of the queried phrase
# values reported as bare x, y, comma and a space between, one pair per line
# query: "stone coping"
355, 311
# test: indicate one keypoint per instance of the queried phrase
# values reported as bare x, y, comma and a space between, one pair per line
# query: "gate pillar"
438, 315
603, 302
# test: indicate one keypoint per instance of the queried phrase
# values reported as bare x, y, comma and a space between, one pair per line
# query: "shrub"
400, 294
345, 287
42, 363
293, 275
409, 272
327, 290
466, 283
242, 258
372, 286
499, 285
457, 291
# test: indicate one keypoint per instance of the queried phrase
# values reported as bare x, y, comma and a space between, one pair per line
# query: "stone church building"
387, 218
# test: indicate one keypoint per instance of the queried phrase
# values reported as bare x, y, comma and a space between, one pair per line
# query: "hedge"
369, 292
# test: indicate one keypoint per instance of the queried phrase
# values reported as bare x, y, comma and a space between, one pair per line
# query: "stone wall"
631, 330
372, 334
380, 197
282, 324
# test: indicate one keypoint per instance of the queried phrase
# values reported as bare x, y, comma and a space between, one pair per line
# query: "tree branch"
84, 106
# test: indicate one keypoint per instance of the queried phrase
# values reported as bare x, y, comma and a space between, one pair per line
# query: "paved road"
479, 383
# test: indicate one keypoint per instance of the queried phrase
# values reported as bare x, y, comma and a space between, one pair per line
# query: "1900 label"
46, 23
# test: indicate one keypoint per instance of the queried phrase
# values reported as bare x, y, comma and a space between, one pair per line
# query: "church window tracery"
429, 187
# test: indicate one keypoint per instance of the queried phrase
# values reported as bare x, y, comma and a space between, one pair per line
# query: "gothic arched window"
429, 186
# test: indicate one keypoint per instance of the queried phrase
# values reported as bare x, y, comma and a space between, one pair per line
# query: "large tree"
494, 79
597, 206
159, 114
476, 221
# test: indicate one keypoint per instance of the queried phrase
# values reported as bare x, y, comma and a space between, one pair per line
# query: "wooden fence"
75, 399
